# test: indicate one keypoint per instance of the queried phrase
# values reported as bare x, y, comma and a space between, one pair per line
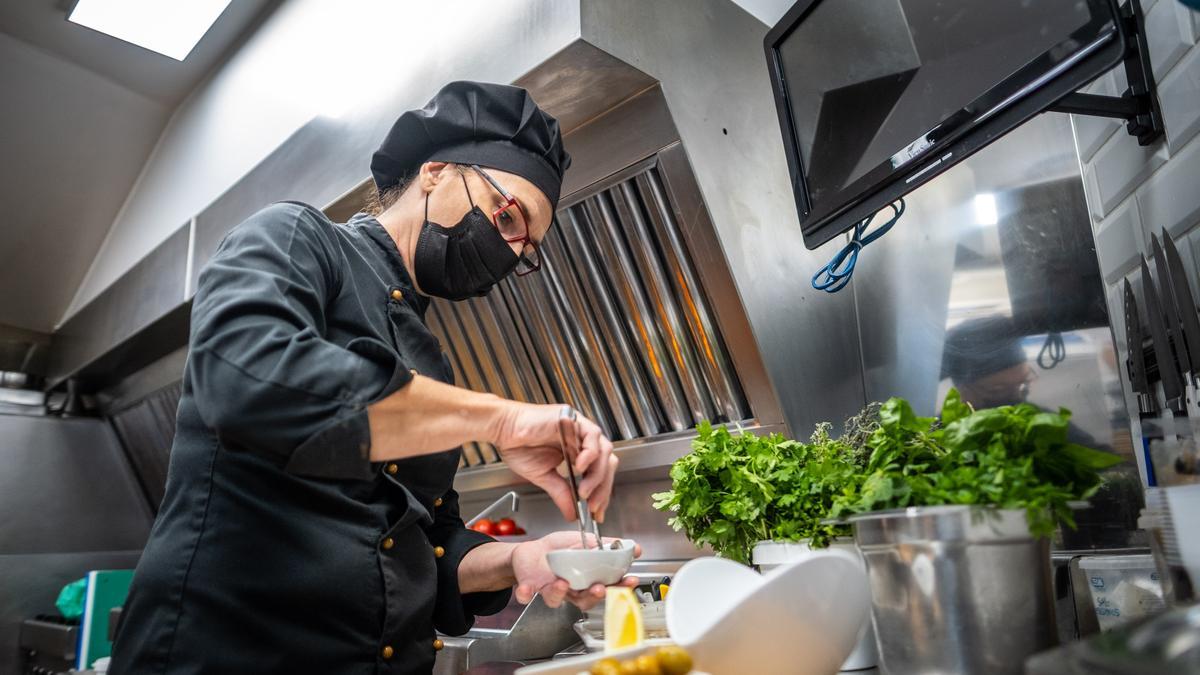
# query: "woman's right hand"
527, 436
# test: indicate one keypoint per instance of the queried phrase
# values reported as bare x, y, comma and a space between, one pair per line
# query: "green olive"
647, 665
674, 660
606, 667
629, 668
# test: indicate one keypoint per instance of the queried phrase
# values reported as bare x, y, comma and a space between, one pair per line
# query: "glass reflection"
990, 284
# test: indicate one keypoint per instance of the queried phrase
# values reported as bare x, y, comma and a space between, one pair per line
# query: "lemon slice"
622, 619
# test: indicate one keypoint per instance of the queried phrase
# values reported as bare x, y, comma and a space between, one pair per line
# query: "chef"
309, 523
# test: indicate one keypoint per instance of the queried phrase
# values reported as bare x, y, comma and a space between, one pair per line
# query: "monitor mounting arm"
1138, 105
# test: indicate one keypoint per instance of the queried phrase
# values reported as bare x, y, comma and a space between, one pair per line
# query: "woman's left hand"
534, 576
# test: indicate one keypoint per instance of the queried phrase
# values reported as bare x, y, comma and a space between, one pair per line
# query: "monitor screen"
873, 89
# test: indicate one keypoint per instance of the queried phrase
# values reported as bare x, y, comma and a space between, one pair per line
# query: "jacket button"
438, 551
437, 502
396, 294
387, 652
438, 644
388, 543
392, 468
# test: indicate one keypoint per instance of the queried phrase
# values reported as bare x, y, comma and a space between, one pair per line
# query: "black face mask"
461, 262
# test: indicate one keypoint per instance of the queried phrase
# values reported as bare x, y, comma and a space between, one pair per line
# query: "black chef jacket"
280, 547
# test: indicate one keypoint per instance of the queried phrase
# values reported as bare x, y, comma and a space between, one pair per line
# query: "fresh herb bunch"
1011, 457
735, 490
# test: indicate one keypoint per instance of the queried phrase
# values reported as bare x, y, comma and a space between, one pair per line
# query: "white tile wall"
1118, 168
1170, 35
1179, 94
1118, 242
1132, 191
1092, 132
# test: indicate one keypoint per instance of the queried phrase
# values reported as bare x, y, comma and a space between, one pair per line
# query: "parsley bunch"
733, 491
1010, 457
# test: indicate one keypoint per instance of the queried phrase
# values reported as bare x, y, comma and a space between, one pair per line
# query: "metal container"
956, 589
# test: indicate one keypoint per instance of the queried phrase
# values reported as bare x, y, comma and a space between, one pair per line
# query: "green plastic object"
71, 598
105, 589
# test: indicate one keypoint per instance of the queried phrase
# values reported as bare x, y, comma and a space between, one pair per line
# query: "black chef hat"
492, 125
977, 348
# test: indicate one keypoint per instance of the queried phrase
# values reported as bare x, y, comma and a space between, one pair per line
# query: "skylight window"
168, 27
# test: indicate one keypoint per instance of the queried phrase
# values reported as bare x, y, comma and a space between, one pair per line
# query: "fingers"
604, 494
559, 491
588, 598
554, 593
598, 470
589, 444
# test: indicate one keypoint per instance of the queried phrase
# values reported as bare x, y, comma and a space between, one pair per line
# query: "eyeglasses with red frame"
512, 223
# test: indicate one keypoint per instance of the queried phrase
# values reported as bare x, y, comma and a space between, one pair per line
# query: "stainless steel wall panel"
66, 488
149, 291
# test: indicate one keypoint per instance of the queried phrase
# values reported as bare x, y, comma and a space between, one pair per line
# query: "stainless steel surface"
510, 501
538, 632
581, 81
152, 289
23, 351
947, 264
66, 488
1166, 643
51, 638
955, 590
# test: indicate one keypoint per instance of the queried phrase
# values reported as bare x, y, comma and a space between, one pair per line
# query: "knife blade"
1168, 368
1185, 304
1135, 361
1169, 311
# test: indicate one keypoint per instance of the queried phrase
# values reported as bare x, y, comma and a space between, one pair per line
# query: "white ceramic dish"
584, 567
802, 618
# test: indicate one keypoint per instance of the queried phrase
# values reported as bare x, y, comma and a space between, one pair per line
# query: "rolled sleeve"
453, 612
262, 375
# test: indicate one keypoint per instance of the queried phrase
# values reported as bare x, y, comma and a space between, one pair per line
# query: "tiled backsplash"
1134, 191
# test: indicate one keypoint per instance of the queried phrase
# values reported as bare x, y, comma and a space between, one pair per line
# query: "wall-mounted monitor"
876, 97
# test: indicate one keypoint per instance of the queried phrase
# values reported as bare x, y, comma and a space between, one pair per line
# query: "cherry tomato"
519, 531
485, 526
506, 526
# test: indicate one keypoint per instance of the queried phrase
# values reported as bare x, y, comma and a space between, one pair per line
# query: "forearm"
487, 567
427, 416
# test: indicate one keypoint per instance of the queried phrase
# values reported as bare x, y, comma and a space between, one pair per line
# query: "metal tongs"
568, 434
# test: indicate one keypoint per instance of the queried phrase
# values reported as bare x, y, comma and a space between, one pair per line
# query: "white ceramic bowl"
584, 567
803, 618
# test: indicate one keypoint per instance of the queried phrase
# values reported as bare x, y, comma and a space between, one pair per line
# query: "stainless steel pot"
956, 589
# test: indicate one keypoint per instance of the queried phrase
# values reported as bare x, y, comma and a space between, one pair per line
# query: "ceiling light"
168, 27
985, 209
